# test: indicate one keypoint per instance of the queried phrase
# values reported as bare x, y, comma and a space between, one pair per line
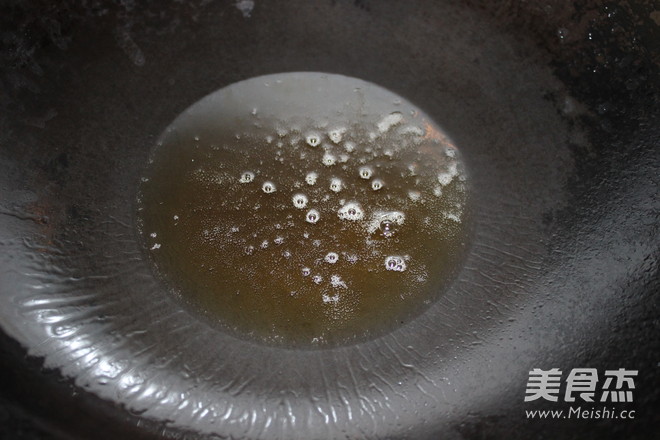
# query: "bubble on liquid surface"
313, 139
377, 184
247, 177
297, 260
351, 211
387, 228
335, 184
312, 216
311, 178
366, 172
395, 263
329, 159
300, 201
387, 222
268, 187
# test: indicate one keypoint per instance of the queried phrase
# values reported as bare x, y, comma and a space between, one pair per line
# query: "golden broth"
305, 209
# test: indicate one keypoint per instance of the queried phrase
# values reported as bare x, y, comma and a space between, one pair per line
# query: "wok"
555, 108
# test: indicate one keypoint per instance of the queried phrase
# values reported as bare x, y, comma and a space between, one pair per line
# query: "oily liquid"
304, 209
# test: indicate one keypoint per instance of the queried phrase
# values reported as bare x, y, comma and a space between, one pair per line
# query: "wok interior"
562, 248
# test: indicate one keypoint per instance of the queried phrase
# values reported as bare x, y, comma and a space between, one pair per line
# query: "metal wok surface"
554, 106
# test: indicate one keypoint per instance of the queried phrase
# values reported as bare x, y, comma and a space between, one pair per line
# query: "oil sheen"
304, 209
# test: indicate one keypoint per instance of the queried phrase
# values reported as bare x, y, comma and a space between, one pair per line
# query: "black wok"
555, 107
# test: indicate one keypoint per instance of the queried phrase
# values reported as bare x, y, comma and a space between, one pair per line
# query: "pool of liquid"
305, 209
